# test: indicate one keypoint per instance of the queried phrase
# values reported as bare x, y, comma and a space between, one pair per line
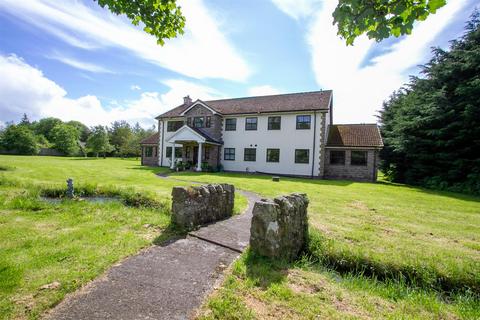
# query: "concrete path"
163, 282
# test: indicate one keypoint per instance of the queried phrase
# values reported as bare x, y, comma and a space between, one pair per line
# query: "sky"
74, 60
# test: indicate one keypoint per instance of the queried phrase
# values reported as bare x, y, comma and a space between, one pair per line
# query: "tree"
98, 142
161, 18
380, 19
120, 132
45, 126
65, 138
82, 129
25, 121
20, 139
431, 127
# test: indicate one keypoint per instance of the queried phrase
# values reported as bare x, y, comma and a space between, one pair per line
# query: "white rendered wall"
287, 139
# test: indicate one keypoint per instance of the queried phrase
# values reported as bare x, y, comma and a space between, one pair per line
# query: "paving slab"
166, 281
233, 233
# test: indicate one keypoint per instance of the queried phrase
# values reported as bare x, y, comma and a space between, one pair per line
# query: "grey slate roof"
354, 135
304, 101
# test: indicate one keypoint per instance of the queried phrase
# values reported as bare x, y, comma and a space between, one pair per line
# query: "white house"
279, 134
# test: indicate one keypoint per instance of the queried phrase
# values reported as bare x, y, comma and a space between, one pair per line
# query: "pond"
95, 199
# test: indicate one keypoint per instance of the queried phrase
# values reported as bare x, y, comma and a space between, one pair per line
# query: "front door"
195, 155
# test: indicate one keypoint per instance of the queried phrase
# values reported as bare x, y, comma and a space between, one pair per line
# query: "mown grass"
258, 288
71, 242
383, 240
431, 239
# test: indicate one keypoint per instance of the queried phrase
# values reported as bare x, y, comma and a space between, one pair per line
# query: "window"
198, 122
156, 151
174, 125
229, 153
206, 153
230, 124
273, 155
358, 158
250, 154
178, 152
302, 155
303, 122
148, 151
208, 122
250, 123
337, 157
187, 152
274, 123
189, 121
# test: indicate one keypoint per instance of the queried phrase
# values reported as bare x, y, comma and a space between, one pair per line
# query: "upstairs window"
358, 158
274, 123
174, 125
189, 121
337, 157
229, 154
250, 154
231, 124
273, 155
208, 122
198, 122
251, 123
302, 155
303, 122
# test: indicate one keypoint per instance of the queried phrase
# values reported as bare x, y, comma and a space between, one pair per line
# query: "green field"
376, 251
72, 242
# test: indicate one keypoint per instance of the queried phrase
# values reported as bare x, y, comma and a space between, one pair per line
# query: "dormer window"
198, 122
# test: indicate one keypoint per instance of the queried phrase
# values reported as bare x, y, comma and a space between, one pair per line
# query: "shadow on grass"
264, 272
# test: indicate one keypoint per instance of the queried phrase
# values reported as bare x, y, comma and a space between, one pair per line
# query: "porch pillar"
172, 165
199, 162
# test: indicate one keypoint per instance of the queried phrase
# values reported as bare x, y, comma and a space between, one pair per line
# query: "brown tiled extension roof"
153, 139
304, 101
354, 135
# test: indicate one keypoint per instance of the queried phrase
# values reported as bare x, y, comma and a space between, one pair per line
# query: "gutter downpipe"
314, 134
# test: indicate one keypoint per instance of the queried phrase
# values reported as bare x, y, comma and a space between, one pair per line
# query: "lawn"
376, 251
417, 241
50, 249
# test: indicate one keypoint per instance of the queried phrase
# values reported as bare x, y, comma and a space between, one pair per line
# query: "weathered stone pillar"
198, 205
280, 227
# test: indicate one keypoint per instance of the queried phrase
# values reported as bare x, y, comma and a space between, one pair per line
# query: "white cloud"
82, 65
264, 90
135, 87
25, 89
297, 8
360, 90
202, 52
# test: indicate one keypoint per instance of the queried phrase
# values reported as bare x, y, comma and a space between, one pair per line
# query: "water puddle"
98, 199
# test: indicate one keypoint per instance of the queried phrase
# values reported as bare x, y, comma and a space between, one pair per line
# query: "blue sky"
75, 60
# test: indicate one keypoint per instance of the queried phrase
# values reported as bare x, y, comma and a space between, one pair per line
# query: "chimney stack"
187, 100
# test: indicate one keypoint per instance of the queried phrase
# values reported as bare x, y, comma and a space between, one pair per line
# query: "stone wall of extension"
194, 206
352, 172
280, 227
152, 160
215, 130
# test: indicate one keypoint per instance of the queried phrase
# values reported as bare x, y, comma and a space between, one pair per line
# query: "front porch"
198, 151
